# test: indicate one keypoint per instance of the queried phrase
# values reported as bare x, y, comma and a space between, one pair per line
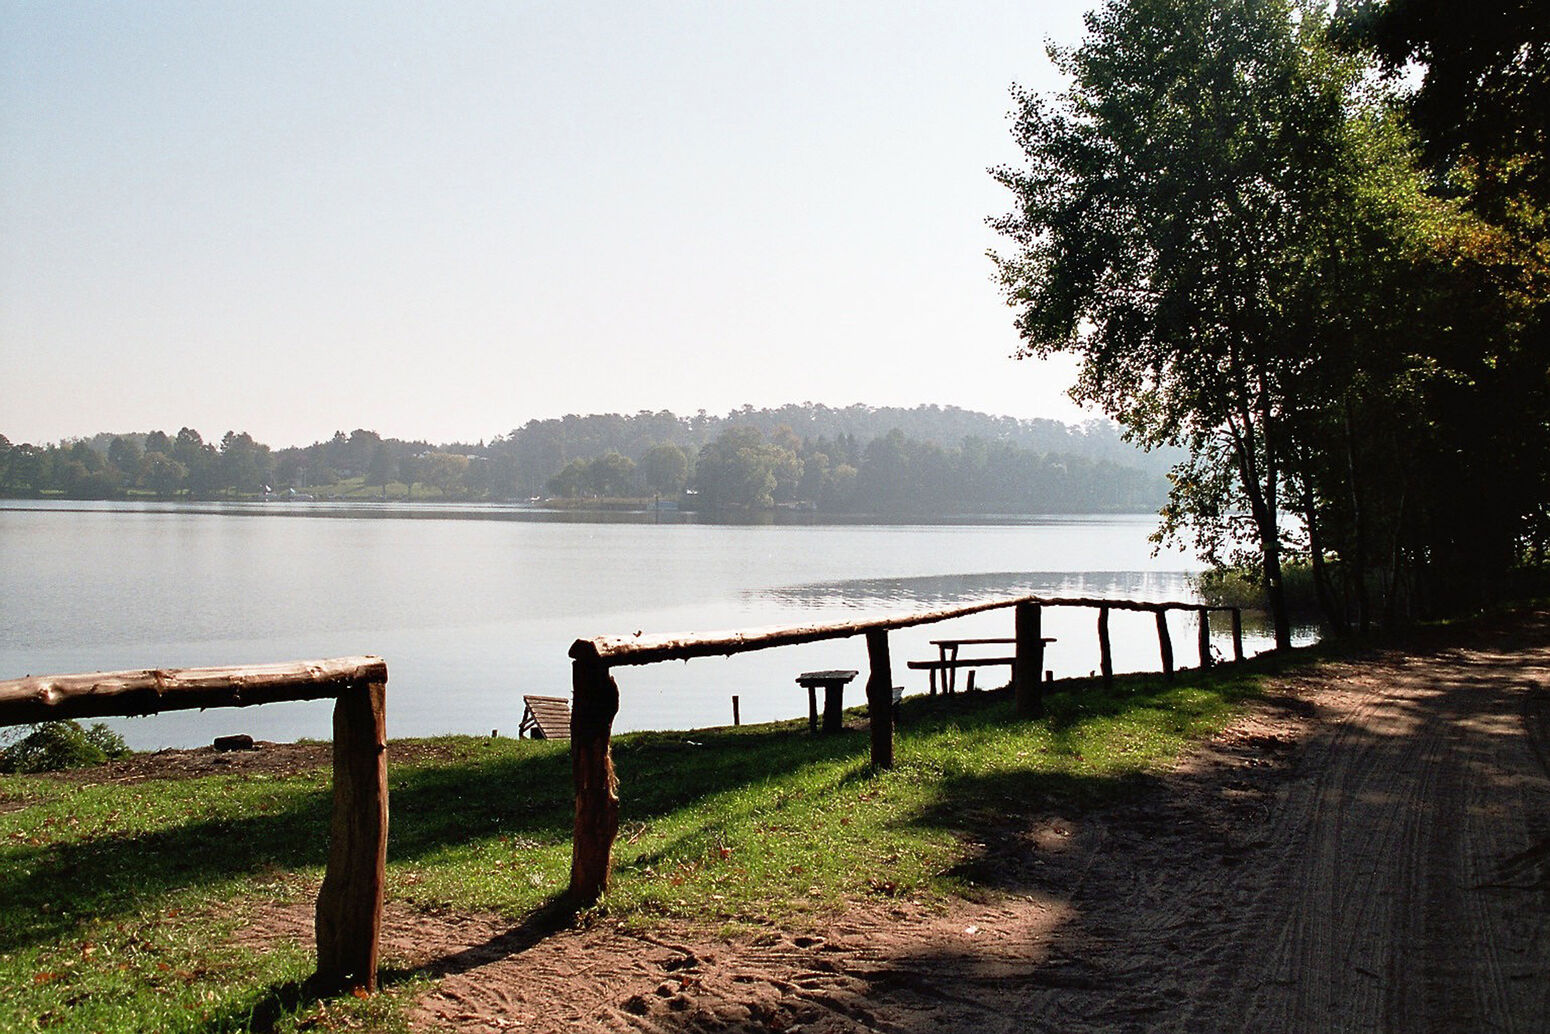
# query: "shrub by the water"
1230, 587
55, 745
1245, 587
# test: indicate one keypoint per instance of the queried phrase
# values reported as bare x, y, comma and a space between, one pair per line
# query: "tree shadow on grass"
521, 790
50, 888
992, 812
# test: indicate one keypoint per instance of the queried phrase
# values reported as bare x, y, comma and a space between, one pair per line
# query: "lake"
473, 606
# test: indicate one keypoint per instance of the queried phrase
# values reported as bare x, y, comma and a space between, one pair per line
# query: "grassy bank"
123, 900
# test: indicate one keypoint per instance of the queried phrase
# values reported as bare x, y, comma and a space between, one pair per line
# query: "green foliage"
1033, 465
1230, 587
1183, 208
1471, 503
1483, 105
52, 746
665, 469
740, 470
1224, 219
607, 476
444, 471
1243, 587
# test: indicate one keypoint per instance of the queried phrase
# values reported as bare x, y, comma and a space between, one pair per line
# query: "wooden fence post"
879, 698
1105, 654
1028, 661
1237, 634
349, 909
594, 703
1205, 637
1165, 643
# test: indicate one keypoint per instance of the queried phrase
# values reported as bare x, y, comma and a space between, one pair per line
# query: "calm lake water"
474, 606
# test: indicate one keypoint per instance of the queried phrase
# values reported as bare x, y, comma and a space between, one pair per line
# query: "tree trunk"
1277, 593
1359, 526
1270, 529
1334, 613
1263, 504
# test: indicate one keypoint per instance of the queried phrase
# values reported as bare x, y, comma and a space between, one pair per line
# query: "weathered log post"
1028, 661
1237, 634
594, 703
879, 697
1205, 637
349, 908
1105, 653
1164, 643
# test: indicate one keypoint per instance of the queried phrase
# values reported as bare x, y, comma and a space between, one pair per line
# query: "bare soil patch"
273, 759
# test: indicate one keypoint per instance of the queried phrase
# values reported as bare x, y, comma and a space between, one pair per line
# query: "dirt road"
1368, 850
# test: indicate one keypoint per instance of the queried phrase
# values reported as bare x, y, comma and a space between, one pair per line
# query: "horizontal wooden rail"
615, 650
49, 698
595, 694
349, 908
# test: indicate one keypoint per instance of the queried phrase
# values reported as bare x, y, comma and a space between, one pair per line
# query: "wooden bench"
545, 718
948, 661
948, 668
833, 683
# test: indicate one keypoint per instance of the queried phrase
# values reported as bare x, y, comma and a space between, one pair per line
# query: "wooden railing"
349, 908
595, 694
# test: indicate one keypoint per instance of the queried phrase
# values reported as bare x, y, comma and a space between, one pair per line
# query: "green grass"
121, 900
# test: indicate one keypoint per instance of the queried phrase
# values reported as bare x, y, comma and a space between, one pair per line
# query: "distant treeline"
858, 459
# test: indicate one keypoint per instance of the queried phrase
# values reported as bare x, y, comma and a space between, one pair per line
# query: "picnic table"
948, 661
833, 683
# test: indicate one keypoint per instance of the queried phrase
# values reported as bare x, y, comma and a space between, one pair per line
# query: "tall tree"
738, 470
245, 465
1178, 227
665, 469
124, 455
381, 468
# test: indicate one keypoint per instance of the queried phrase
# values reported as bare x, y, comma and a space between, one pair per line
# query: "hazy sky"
439, 220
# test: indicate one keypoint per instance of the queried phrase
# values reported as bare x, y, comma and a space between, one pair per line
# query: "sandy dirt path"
1367, 850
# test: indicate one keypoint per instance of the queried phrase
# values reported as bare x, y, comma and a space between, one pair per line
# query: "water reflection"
947, 590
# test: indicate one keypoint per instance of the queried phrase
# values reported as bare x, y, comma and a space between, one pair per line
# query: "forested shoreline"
857, 459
